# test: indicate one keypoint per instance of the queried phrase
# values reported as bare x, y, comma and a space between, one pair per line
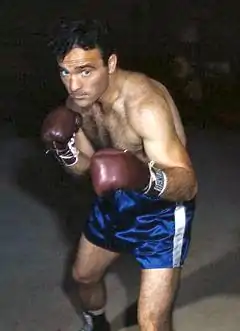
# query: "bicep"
162, 145
167, 153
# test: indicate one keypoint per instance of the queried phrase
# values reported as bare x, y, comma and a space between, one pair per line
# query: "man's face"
84, 75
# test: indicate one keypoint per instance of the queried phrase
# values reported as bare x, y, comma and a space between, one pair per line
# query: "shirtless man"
124, 129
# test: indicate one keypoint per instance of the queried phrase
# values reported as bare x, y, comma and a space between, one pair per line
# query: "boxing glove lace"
58, 133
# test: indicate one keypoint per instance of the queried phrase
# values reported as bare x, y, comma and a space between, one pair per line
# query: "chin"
84, 103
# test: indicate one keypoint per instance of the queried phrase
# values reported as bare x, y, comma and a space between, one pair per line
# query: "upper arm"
152, 119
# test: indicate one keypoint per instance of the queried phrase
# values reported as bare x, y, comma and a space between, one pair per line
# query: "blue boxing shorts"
155, 231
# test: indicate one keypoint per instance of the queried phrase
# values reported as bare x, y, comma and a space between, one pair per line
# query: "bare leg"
156, 300
88, 270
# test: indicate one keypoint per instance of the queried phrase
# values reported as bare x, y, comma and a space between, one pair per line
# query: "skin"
127, 110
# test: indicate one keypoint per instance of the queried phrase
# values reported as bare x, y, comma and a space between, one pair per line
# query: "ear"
112, 63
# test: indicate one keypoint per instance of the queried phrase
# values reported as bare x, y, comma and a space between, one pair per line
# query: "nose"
75, 83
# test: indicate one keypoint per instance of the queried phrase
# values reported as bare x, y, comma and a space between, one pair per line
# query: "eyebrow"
84, 66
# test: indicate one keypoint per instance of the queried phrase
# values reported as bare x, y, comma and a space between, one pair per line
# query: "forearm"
181, 184
80, 167
173, 183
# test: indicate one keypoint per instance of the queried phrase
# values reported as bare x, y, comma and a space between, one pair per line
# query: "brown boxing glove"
58, 132
113, 169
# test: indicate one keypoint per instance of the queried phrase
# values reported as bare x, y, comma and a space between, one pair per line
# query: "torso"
110, 127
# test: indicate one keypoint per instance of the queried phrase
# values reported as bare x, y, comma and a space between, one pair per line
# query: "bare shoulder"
139, 84
144, 96
148, 101
143, 93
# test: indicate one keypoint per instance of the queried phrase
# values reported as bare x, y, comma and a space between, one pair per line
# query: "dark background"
148, 36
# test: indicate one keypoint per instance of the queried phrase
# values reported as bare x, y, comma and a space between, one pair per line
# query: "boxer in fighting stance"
124, 129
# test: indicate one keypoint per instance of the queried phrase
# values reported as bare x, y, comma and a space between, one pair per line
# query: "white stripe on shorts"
180, 225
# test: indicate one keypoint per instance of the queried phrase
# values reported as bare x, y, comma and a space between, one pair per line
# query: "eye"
64, 72
86, 73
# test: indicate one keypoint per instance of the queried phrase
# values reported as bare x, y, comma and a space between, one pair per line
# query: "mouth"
79, 96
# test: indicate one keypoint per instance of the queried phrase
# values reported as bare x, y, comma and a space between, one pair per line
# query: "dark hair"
87, 34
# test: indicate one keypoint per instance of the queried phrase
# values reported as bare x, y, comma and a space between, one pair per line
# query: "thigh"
91, 261
157, 295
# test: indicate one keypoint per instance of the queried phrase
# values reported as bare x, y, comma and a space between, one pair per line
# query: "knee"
84, 277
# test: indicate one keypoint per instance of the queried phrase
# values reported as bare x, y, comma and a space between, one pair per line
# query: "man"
124, 129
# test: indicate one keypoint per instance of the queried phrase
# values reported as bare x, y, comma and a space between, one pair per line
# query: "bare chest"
111, 129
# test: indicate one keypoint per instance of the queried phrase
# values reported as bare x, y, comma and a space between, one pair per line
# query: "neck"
112, 92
